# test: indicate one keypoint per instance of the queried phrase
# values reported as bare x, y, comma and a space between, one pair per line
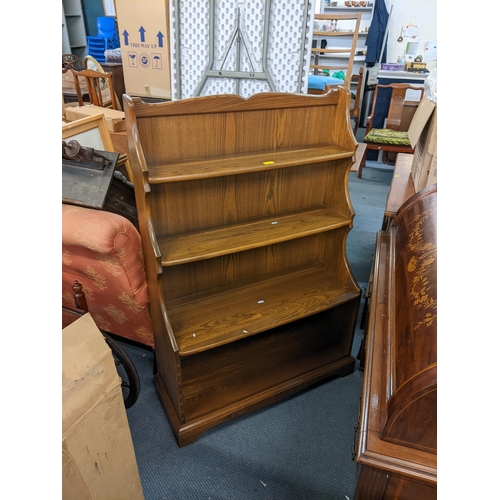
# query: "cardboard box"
425, 149
144, 29
432, 178
409, 109
420, 120
98, 459
115, 120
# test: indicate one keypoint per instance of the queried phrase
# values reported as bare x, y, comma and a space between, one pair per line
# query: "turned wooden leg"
79, 296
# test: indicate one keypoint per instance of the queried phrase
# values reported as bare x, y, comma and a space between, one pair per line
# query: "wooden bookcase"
244, 212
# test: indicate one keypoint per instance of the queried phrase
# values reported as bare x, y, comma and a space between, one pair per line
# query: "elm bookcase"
244, 211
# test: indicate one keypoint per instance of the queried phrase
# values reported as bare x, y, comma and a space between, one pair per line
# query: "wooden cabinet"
244, 212
397, 444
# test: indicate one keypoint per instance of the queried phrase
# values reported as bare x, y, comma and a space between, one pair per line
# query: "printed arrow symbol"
160, 39
142, 31
125, 37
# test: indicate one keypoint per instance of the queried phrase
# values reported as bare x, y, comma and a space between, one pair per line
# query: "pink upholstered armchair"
103, 251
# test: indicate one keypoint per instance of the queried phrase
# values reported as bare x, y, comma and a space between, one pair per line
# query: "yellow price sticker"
268, 162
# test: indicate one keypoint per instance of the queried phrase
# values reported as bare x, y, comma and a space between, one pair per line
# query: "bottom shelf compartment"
233, 379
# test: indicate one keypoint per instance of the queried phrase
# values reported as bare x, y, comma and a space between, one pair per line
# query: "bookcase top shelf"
221, 135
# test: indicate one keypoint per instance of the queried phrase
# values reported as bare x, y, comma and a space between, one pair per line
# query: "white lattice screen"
288, 32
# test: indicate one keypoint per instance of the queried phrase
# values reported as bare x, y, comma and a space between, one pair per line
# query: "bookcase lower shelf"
243, 376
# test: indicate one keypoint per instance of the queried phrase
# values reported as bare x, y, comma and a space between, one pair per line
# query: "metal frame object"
240, 46
238, 37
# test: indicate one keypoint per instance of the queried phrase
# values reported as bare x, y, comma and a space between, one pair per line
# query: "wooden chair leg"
362, 164
356, 125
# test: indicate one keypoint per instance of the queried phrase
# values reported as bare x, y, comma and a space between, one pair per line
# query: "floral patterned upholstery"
103, 251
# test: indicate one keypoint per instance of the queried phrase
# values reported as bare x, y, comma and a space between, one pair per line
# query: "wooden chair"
95, 88
93, 64
388, 136
356, 105
70, 61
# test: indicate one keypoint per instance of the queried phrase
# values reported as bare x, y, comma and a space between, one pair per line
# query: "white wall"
422, 13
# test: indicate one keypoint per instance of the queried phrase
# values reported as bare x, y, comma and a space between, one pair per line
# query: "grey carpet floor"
299, 448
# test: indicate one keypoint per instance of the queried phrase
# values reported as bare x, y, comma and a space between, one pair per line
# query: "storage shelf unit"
74, 39
342, 50
346, 49
365, 14
346, 9
244, 212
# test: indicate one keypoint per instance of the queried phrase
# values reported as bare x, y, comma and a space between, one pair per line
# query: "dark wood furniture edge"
386, 467
370, 447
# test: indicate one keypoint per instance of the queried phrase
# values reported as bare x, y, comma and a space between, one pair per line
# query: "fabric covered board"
388, 136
